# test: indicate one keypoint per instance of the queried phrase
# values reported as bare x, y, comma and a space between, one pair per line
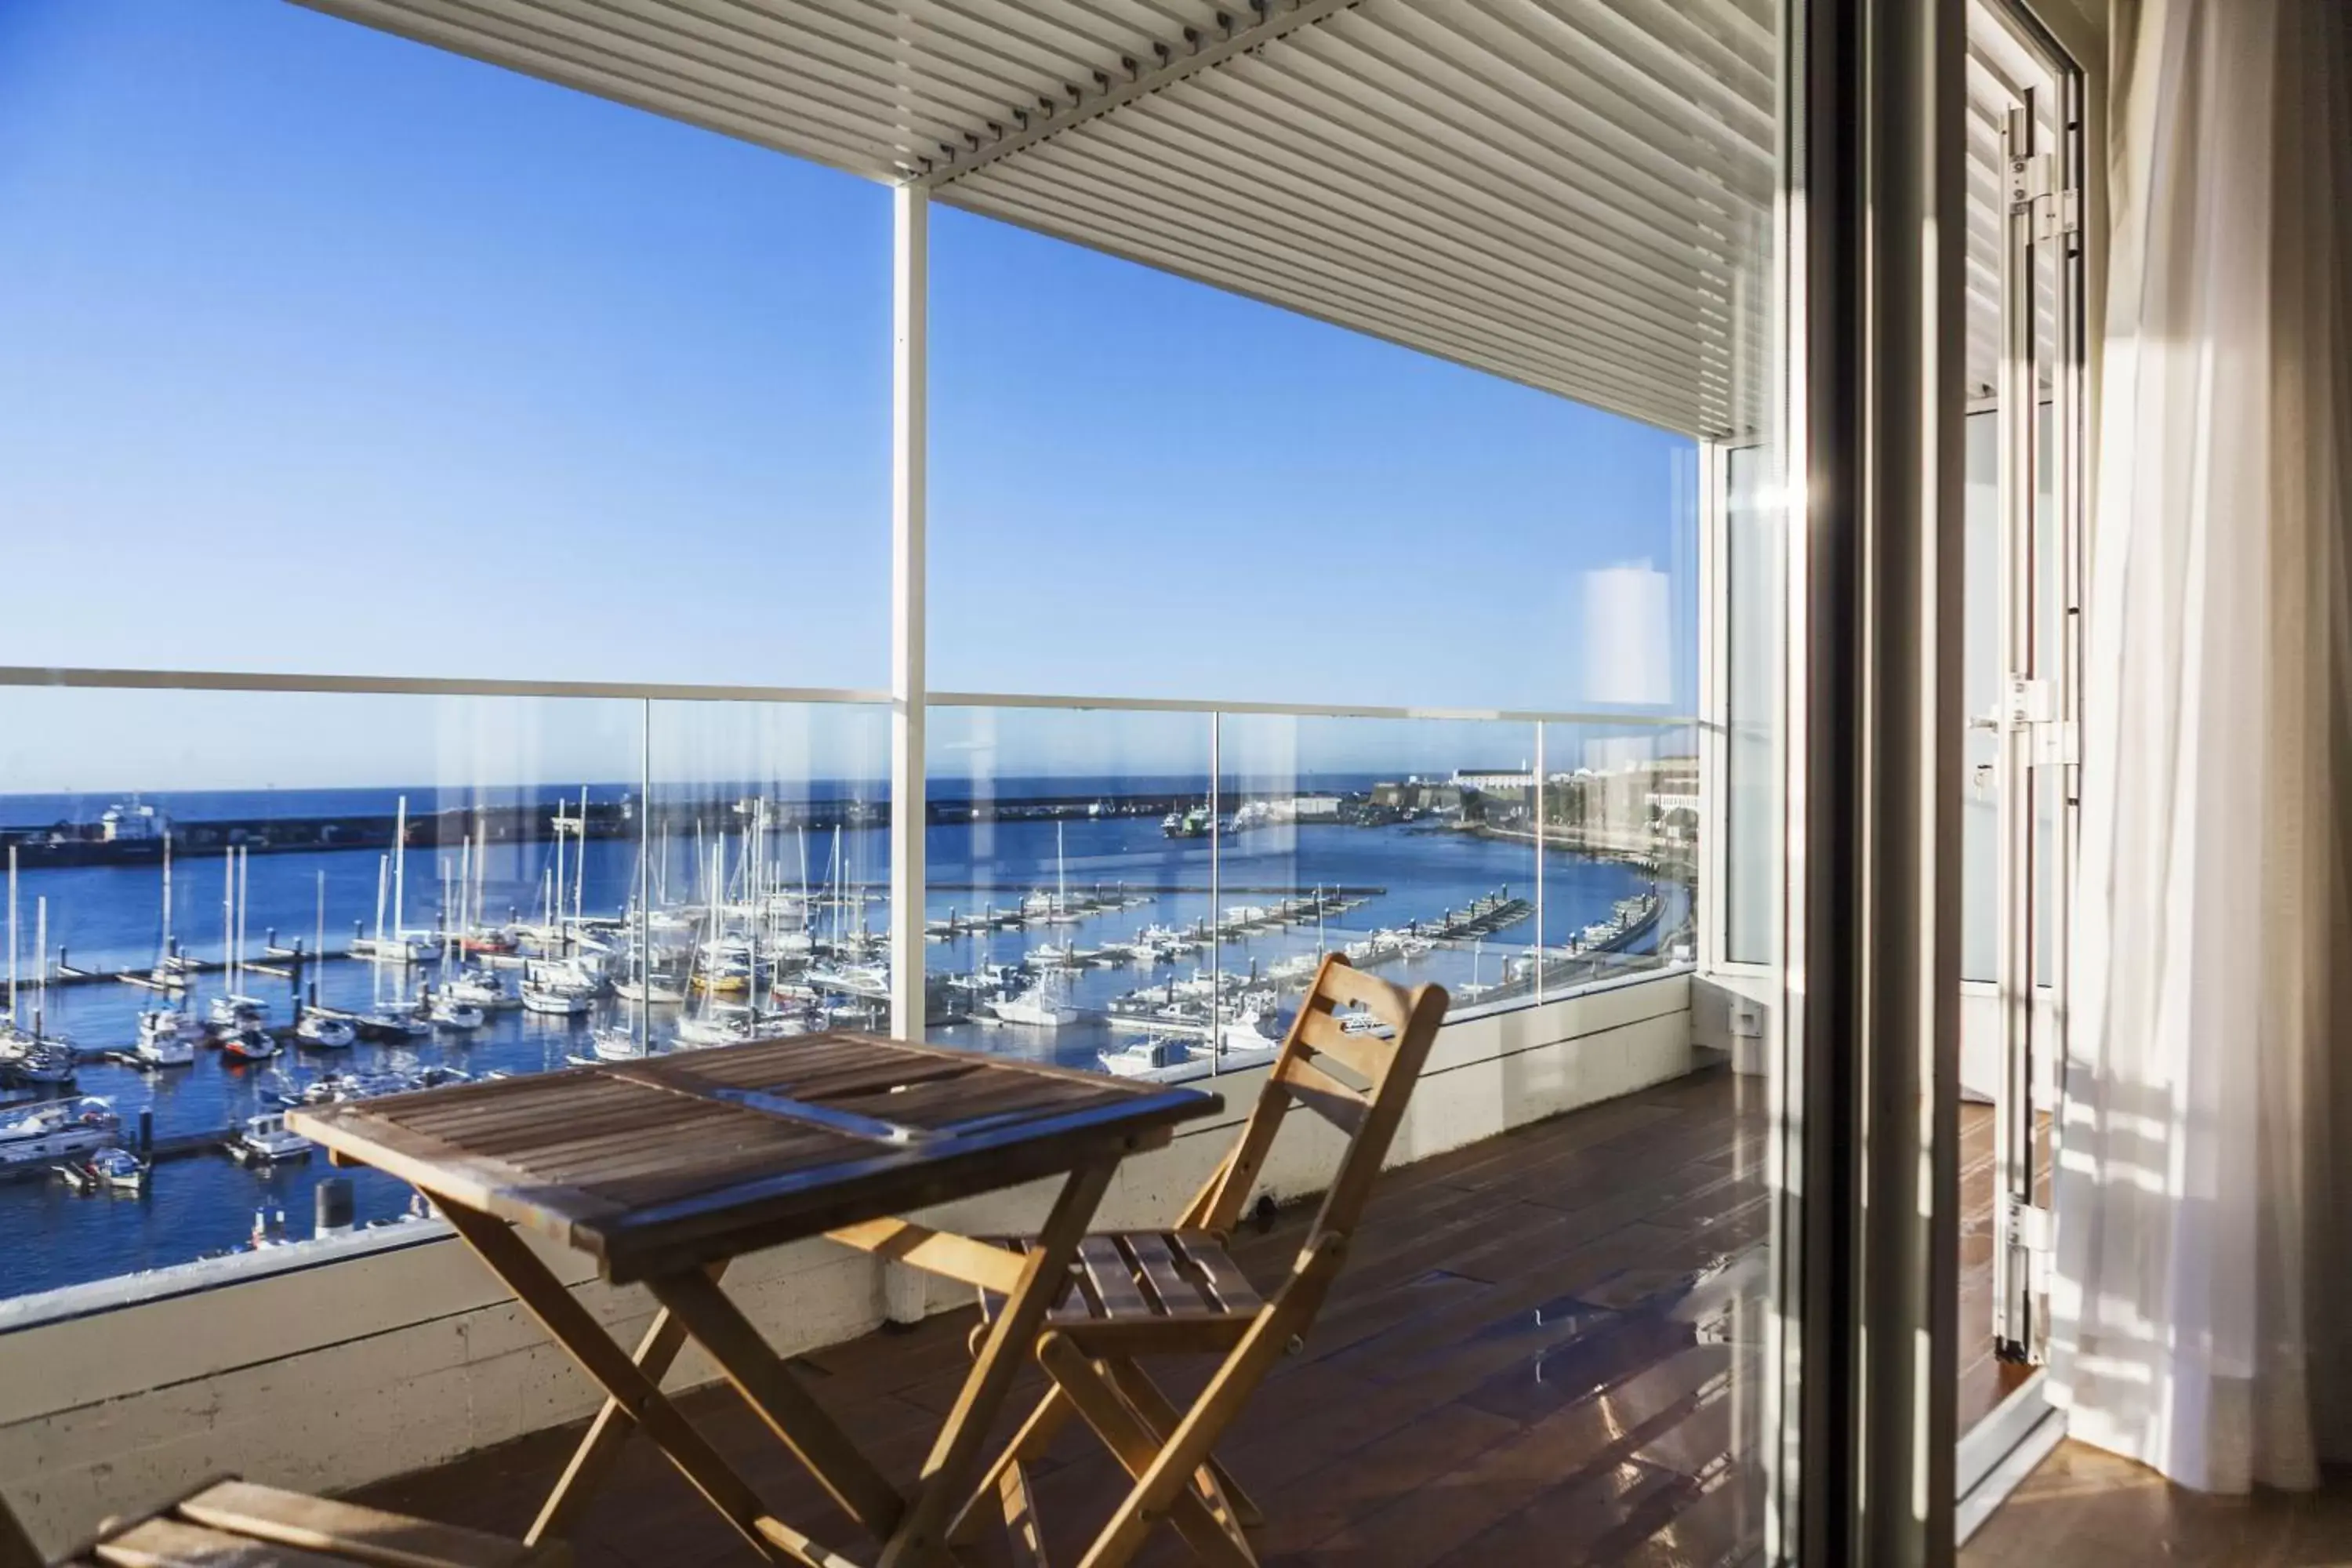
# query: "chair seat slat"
1113, 1278
1230, 1286
1156, 1262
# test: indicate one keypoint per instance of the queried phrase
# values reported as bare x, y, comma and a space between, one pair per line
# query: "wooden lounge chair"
233, 1524
1177, 1291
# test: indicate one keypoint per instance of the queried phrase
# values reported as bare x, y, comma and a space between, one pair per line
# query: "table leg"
600, 1446
945, 1484
576, 1328
768, 1385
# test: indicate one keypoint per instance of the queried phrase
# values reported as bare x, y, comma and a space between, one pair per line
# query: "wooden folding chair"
1352, 1055
236, 1524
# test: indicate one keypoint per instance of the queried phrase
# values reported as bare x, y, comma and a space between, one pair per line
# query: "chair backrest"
1357, 1078
16, 1545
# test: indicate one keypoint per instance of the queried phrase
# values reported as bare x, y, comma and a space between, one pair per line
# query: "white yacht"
45, 1059
167, 1039
481, 988
1034, 1007
448, 1013
56, 1129
1157, 1059
558, 998
725, 1025
1245, 1044
267, 1140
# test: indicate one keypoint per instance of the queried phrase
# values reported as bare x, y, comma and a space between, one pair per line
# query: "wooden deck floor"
1544, 1352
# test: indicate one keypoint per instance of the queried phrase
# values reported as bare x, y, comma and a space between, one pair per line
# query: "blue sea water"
111, 917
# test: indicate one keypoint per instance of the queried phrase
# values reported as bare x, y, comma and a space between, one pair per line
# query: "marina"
1082, 934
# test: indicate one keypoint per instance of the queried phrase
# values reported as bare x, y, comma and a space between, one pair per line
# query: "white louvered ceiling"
1572, 194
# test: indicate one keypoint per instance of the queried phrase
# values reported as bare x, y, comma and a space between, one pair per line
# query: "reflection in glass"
1408, 845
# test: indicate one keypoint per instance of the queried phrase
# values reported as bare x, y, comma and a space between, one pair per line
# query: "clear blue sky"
322, 351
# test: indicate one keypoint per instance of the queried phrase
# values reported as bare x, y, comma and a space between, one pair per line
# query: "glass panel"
412, 356
1070, 881
1407, 844
1754, 598
764, 896
412, 889
1622, 845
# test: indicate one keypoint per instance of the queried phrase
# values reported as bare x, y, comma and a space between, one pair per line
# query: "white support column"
909, 685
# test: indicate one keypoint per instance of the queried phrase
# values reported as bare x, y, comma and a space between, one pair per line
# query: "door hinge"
2049, 213
2031, 710
2028, 1225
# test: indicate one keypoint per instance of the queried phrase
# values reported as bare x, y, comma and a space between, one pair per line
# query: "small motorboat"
250, 1044
322, 1032
448, 1013
118, 1169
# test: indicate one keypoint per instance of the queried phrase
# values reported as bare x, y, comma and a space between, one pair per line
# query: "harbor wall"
325, 1366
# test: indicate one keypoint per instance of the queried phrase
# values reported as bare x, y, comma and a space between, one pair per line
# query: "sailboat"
395, 945
318, 1030
167, 1034
237, 1021
38, 1056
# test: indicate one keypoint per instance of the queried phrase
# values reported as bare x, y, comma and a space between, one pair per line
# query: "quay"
279, 963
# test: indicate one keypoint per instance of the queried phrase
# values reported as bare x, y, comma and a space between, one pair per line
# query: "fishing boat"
265, 1140
324, 1032
167, 1039
56, 1129
448, 1013
115, 1169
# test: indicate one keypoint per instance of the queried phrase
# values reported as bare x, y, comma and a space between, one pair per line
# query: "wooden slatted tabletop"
668, 1163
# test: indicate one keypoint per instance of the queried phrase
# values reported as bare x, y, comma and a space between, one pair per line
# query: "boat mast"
40, 975
399, 878
12, 933
167, 900
228, 920
244, 900
580, 861
555, 877
319, 955
383, 875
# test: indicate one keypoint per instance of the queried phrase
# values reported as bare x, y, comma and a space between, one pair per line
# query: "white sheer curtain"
2203, 1314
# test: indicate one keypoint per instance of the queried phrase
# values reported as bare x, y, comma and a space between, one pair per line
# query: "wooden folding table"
664, 1170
